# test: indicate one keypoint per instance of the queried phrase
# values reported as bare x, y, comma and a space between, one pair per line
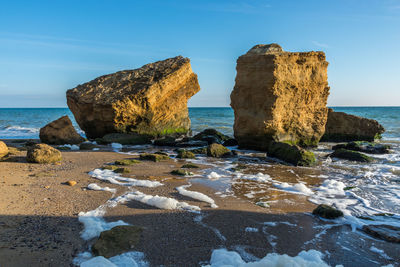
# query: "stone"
153, 157
230, 142
71, 183
201, 150
190, 166
87, 146
291, 153
181, 172
60, 132
117, 240
185, 154
342, 127
217, 151
127, 162
191, 143
279, 96
211, 136
363, 146
166, 141
42, 153
327, 212
125, 139
350, 155
149, 100
3, 149
386, 232
122, 170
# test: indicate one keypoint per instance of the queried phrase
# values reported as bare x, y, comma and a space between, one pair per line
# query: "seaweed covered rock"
343, 127
60, 132
153, 157
350, 155
279, 96
3, 149
327, 212
190, 142
149, 100
363, 146
42, 153
116, 241
87, 146
218, 151
211, 136
181, 172
165, 141
386, 232
185, 154
291, 153
125, 139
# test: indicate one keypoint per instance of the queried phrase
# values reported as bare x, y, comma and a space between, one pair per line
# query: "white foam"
128, 259
96, 187
259, 177
224, 258
116, 146
213, 176
158, 201
332, 188
115, 178
380, 252
299, 188
251, 229
196, 195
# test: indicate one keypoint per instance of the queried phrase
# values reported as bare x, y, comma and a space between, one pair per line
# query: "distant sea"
26, 122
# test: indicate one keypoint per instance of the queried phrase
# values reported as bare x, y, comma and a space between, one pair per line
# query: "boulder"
291, 153
42, 153
185, 154
166, 141
60, 132
386, 232
327, 212
279, 96
153, 157
342, 127
217, 151
3, 149
116, 241
88, 146
211, 136
149, 100
366, 147
125, 139
181, 172
350, 155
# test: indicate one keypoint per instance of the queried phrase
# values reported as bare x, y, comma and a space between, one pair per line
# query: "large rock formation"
3, 149
59, 132
149, 100
343, 127
280, 96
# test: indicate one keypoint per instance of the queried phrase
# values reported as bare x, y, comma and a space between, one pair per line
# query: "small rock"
71, 183
166, 141
87, 146
153, 157
184, 154
190, 166
350, 155
366, 147
127, 162
291, 153
327, 212
42, 153
124, 139
122, 170
217, 151
211, 136
181, 172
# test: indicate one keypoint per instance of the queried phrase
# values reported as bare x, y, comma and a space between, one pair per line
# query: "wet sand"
39, 216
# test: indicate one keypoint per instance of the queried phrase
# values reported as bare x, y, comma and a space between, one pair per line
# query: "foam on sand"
296, 188
131, 259
96, 187
115, 178
196, 195
225, 258
160, 202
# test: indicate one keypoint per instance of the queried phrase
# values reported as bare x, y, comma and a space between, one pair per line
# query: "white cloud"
320, 44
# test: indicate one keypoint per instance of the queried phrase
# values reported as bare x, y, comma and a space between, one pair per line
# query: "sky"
48, 47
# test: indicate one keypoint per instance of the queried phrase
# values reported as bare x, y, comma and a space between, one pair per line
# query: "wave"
15, 131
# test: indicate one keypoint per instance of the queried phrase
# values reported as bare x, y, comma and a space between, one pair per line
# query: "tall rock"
149, 100
343, 127
59, 132
280, 96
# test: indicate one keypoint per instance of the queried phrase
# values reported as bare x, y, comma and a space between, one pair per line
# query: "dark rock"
366, 147
201, 150
116, 241
211, 136
291, 153
153, 157
59, 132
185, 154
191, 143
217, 151
190, 166
125, 139
230, 142
87, 146
386, 232
327, 212
166, 141
350, 155
181, 172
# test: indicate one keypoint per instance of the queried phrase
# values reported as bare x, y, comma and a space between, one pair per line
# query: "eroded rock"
149, 100
42, 153
343, 127
366, 147
350, 155
291, 153
60, 132
280, 96
3, 149
327, 212
218, 151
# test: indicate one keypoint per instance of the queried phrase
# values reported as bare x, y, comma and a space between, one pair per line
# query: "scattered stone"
87, 146
201, 150
64, 148
366, 147
386, 232
211, 136
149, 100
230, 142
342, 127
185, 154
327, 212
181, 172
187, 142
127, 162
110, 167
116, 241
71, 183
42, 153
3, 149
348, 188
350, 155
239, 167
279, 96
166, 141
153, 157
217, 151
190, 166
162, 153
291, 153
122, 170
124, 139
59, 132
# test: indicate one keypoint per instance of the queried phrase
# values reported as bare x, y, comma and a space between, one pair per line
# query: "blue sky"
47, 47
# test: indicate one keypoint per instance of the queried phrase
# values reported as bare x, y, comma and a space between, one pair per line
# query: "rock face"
342, 127
60, 132
280, 96
42, 153
3, 149
149, 100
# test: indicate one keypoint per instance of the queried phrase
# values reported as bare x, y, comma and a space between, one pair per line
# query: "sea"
367, 193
